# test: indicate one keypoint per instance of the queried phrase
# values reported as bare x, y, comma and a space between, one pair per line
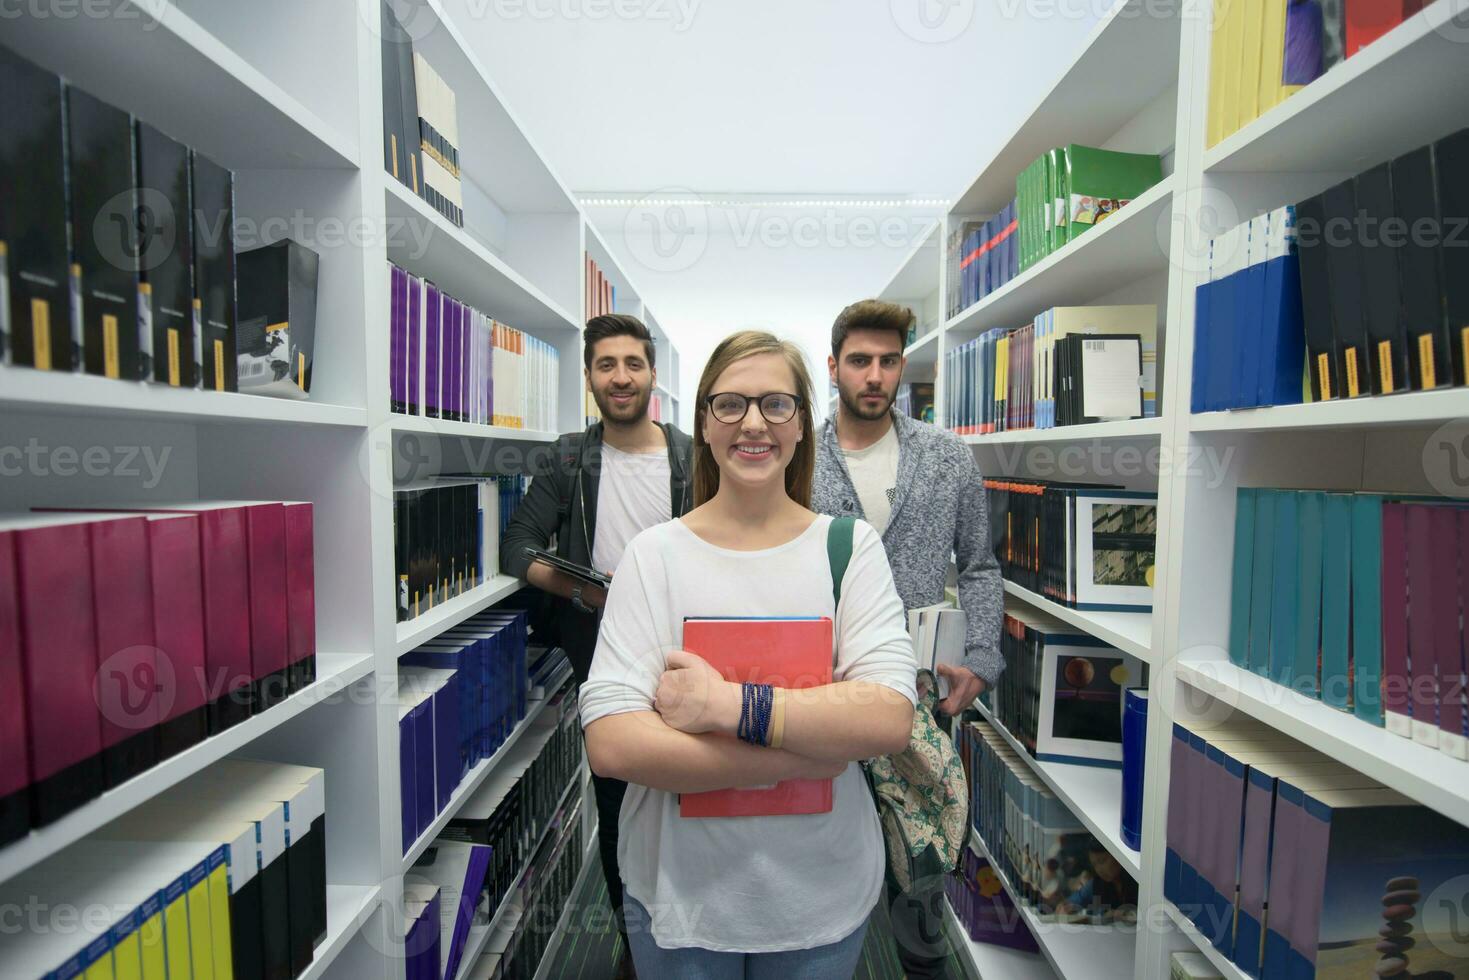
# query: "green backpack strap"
839, 552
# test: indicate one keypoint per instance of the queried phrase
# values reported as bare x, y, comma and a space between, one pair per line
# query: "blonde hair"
737, 347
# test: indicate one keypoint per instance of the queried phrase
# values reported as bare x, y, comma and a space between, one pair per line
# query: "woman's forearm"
846, 720
639, 747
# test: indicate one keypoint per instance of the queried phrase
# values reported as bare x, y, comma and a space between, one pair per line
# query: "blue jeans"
835, 961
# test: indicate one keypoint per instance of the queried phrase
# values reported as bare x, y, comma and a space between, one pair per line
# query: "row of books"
1353, 598
126, 638
449, 361
1061, 693
223, 875
1070, 365
915, 400
601, 299
1081, 545
446, 535
1071, 189
1292, 864
420, 122
1055, 866
460, 696
545, 891
1261, 52
984, 908
982, 257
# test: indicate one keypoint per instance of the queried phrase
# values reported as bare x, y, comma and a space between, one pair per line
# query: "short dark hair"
615, 325
871, 314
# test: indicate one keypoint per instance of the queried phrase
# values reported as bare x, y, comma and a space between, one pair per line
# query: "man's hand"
593, 595
964, 686
694, 698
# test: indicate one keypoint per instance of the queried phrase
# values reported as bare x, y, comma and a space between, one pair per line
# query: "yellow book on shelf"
219, 916
150, 936
1234, 37
201, 928
176, 930
1272, 55
1250, 59
1215, 131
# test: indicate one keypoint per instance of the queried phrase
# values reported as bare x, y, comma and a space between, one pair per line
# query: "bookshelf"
1140, 83
289, 97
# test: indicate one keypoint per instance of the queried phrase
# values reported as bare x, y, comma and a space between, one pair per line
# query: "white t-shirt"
747, 884
632, 494
875, 476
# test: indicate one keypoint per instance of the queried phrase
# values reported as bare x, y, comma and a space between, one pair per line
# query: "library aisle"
293, 307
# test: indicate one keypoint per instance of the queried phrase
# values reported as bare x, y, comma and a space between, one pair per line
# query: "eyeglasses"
730, 407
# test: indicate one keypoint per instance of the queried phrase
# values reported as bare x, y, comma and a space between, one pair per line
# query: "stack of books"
449, 361
460, 696
601, 299
442, 543
1061, 694
1261, 52
1070, 365
1081, 545
222, 875
1071, 189
1292, 864
984, 908
420, 122
982, 256
1055, 866
80, 300
128, 637
1353, 599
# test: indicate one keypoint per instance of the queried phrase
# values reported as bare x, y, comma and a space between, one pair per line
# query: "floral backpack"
921, 794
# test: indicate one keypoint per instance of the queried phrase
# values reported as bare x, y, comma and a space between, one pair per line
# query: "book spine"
126, 663
178, 617
15, 768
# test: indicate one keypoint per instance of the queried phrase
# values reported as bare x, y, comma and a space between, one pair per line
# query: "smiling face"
621, 379
753, 451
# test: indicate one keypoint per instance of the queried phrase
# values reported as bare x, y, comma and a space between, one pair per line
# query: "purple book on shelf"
1444, 530
1422, 659
452, 378
433, 314
413, 376
1177, 775
407, 789
1397, 710
1303, 26
397, 292
466, 363
424, 798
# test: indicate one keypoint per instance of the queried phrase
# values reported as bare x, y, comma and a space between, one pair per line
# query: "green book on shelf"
1099, 183
1057, 226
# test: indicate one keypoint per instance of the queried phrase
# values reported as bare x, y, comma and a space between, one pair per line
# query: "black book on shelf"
401, 593
394, 158
408, 106
1451, 158
1316, 305
33, 231
1344, 270
1415, 193
1382, 307
277, 319
166, 260
1105, 364
104, 241
214, 274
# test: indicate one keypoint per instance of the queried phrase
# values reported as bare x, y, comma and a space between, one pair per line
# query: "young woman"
763, 896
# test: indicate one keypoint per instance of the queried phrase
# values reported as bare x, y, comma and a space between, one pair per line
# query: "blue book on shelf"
1285, 608
1250, 350
1224, 335
1134, 751
1311, 520
1283, 340
1176, 825
1367, 607
1336, 602
1262, 581
1244, 564
1203, 321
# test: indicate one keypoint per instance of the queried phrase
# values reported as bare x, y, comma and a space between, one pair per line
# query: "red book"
1368, 20
788, 653
178, 622
300, 594
15, 767
58, 642
265, 525
1422, 660
1444, 530
126, 672
1397, 711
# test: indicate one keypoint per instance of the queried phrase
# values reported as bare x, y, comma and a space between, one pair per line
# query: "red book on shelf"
789, 653
15, 768
300, 594
1368, 20
178, 622
1397, 708
58, 641
127, 684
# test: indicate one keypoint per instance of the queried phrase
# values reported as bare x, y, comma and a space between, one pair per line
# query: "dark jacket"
562, 502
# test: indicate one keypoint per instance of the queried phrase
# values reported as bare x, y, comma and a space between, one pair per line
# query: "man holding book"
594, 493
918, 485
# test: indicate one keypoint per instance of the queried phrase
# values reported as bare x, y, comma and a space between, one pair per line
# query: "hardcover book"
166, 248
214, 274
277, 319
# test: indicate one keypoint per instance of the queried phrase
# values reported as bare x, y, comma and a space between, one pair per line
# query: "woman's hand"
694, 698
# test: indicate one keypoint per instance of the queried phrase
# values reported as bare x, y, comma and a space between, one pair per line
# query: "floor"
591, 948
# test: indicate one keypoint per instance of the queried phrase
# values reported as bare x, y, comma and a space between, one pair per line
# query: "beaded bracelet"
756, 710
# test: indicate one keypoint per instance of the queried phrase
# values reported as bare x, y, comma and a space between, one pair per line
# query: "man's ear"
831, 367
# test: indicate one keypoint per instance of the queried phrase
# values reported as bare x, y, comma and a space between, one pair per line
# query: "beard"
855, 405
612, 412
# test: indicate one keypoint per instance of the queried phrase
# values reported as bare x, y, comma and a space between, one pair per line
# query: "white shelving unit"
288, 96
1140, 83
984, 960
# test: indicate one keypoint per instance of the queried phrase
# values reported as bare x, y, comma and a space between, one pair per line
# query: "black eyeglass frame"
759, 400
